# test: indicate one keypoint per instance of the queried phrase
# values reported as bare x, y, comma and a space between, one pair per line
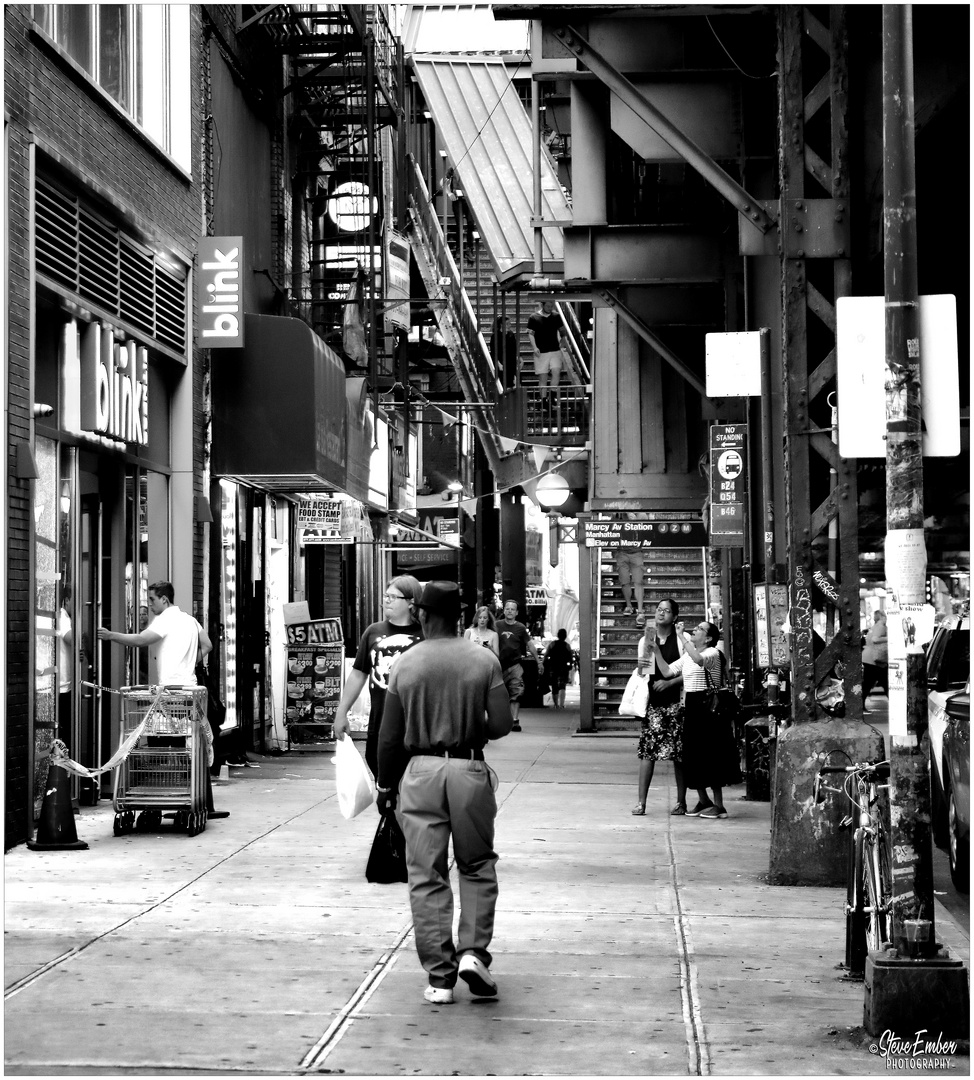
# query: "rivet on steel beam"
801, 253
841, 251
798, 227
799, 206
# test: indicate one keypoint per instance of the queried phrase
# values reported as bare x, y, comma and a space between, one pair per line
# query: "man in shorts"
548, 336
629, 565
515, 644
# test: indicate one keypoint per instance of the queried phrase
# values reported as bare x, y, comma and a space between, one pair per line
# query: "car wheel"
938, 809
959, 852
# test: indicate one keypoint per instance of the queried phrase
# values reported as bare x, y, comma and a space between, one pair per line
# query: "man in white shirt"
177, 634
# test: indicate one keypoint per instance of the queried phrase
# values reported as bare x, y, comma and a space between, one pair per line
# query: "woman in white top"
704, 744
481, 631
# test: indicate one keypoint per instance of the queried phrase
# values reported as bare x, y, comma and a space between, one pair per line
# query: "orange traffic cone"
56, 830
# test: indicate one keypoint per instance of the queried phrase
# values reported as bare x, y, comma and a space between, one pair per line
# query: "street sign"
733, 364
649, 530
728, 484
860, 339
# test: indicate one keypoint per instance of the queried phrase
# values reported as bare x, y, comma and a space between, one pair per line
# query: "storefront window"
46, 499
136, 573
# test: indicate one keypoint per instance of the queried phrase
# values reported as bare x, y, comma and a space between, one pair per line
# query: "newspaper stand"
166, 768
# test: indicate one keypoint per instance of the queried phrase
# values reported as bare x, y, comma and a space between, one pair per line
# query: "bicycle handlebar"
880, 769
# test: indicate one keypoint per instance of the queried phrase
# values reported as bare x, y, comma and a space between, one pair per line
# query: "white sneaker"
476, 975
439, 995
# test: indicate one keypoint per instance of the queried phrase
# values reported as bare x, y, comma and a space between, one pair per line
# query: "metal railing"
460, 310
559, 416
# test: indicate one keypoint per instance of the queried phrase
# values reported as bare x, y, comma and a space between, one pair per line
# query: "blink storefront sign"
114, 386
219, 314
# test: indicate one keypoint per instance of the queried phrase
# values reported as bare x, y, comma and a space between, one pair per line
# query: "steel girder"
822, 504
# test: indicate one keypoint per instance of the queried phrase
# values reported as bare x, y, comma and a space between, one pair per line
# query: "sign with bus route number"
728, 484
621, 531
315, 671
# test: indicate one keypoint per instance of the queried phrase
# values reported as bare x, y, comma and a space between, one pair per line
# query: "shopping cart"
166, 768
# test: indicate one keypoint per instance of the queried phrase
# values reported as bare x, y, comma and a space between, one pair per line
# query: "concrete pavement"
623, 945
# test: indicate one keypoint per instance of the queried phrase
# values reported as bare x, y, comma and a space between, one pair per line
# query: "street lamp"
552, 492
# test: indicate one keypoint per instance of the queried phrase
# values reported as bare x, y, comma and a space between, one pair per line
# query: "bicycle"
869, 893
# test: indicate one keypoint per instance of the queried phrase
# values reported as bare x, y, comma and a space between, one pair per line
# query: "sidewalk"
623, 945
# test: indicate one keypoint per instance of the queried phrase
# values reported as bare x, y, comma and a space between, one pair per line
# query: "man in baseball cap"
446, 699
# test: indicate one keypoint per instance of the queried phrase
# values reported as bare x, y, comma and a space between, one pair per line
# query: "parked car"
948, 672
957, 780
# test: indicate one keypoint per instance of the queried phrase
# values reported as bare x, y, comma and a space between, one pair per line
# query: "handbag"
387, 859
635, 697
724, 706
354, 784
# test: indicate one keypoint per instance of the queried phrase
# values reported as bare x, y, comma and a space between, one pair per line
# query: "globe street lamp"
552, 492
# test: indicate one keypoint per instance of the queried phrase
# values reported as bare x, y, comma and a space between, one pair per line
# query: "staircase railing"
578, 346
475, 368
559, 416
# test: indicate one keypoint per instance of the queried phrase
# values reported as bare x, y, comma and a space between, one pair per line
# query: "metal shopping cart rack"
167, 766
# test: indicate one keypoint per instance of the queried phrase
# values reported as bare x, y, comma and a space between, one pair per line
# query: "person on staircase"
504, 352
549, 346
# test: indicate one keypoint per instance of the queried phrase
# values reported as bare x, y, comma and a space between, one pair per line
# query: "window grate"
79, 250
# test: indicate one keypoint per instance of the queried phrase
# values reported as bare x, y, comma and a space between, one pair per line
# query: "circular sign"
730, 464
350, 206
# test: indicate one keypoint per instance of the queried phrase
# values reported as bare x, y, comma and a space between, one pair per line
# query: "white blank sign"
734, 364
861, 376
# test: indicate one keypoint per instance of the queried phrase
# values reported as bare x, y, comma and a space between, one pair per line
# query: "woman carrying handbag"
704, 745
661, 738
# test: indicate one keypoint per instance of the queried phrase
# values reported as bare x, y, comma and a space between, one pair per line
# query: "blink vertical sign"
219, 314
728, 484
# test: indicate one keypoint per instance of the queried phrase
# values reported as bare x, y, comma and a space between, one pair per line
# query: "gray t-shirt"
443, 686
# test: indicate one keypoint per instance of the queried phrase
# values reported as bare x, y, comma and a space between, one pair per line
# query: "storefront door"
88, 720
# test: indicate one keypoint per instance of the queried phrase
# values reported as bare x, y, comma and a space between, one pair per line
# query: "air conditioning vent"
79, 251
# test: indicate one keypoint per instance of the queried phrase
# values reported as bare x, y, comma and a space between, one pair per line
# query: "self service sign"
728, 484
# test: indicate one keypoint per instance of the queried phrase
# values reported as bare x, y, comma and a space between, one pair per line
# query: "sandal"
639, 809
679, 810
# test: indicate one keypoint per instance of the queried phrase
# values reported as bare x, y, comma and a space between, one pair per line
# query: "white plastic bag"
635, 697
356, 787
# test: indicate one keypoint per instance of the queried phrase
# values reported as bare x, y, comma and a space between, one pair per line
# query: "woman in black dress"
704, 741
662, 734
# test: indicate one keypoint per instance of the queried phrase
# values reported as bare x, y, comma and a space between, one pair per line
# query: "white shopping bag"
635, 697
356, 787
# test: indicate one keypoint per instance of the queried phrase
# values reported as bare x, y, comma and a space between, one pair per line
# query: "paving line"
336, 1030
698, 1052
348, 1012
39, 973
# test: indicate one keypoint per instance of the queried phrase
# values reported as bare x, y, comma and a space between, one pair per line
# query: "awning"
279, 409
487, 135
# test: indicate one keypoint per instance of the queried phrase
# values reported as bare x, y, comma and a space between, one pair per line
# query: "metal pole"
767, 459
905, 542
536, 164
369, 48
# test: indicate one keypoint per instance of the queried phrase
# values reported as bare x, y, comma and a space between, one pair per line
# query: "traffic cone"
56, 830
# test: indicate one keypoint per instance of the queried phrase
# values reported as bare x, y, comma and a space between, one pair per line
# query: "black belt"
451, 752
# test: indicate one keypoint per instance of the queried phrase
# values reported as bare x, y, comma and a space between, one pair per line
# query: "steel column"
802, 850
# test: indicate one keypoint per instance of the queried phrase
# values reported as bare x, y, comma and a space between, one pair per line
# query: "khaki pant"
440, 797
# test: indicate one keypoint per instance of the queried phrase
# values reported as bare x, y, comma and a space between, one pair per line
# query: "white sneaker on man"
476, 975
439, 995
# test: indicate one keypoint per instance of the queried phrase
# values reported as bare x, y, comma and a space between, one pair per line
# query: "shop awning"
279, 409
487, 135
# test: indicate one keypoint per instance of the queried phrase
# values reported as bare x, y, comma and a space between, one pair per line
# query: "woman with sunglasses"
703, 742
381, 644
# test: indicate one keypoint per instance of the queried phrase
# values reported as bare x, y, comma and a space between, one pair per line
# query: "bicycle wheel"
877, 887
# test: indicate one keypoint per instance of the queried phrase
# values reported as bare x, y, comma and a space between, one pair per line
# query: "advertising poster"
315, 668
320, 521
